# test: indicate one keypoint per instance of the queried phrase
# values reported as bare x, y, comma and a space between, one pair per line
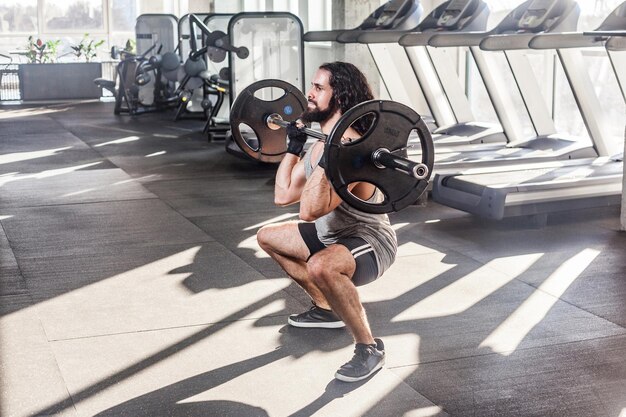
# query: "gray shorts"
366, 266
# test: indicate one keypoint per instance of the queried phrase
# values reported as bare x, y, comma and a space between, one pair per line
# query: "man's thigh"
366, 267
285, 239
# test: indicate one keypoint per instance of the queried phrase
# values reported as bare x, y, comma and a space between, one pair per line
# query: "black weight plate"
352, 162
252, 111
214, 51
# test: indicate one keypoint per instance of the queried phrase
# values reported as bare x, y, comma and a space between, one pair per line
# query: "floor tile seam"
189, 220
76, 203
223, 197
62, 376
525, 349
516, 278
410, 387
40, 256
74, 133
49, 345
239, 214
570, 303
17, 263
210, 175
48, 342
159, 329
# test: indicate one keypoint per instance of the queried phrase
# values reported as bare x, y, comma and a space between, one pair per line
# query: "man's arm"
318, 197
290, 180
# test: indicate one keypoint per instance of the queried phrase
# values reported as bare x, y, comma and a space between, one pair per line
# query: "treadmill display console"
453, 12
536, 13
390, 12
385, 17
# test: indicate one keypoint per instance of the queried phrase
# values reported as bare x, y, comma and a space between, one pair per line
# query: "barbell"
381, 157
378, 157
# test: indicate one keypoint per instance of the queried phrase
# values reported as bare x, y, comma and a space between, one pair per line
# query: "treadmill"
394, 16
513, 34
436, 74
537, 191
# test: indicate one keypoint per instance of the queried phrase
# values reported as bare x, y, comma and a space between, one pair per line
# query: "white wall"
624, 191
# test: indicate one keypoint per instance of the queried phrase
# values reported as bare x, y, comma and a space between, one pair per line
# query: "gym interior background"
154, 299
113, 21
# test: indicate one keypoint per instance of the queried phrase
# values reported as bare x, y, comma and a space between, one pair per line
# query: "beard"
316, 115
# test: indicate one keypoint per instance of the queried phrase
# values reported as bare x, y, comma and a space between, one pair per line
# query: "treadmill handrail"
565, 40
450, 39
382, 36
416, 38
506, 42
323, 35
605, 33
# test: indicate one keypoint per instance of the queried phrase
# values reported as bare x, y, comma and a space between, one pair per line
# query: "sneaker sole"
320, 325
345, 378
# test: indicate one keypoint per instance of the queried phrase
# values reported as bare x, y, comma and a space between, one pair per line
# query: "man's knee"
264, 238
318, 270
324, 266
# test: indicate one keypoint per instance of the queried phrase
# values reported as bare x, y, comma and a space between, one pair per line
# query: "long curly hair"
350, 87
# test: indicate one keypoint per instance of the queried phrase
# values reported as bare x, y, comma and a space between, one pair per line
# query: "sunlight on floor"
44, 174
252, 244
13, 114
113, 128
26, 156
118, 141
398, 226
142, 298
424, 412
466, 291
75, 193
510, 333
282, 217
623, 413
138, 179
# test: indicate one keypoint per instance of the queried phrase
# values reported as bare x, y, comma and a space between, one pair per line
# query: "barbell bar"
381, 157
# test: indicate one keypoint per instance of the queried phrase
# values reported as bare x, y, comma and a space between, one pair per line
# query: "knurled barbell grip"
276, 119
382, 158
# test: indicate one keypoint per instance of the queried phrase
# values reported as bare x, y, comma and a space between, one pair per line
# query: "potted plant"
38, 52
87, 48
44, 78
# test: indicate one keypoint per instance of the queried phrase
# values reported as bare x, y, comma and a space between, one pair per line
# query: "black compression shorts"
366, 267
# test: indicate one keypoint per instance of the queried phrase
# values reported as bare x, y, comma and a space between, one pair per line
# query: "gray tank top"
346, 221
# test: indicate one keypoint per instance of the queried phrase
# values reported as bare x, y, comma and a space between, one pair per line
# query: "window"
551, 77
74, 15
319, 15
18, 16
122, 15
593, 12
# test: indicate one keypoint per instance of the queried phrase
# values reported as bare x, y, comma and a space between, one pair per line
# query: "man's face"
320, 104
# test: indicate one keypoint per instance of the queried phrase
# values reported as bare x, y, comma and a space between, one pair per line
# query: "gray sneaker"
316, 317
367, 359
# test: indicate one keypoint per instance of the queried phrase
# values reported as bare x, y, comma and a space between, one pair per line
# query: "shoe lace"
361, 352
